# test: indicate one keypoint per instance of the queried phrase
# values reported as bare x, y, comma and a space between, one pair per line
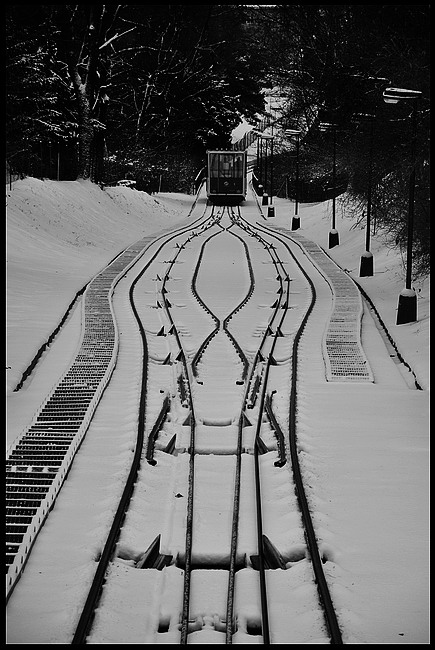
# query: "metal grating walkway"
343, 353
38, 460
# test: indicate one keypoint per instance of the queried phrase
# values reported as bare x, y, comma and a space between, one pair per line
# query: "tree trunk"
86, 136
85, 85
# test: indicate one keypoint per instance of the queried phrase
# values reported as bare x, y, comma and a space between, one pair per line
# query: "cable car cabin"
226, 177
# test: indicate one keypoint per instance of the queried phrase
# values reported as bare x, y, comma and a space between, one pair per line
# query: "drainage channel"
405, 369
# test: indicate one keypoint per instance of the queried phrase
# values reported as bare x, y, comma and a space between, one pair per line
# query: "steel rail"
260, 537
191, 474
230, 623
189, 522
322, 585
213, 333
85, 619
156, 429
242, 302
259, 516
278, 432
191, 478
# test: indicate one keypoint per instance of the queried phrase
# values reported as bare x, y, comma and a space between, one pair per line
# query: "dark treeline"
106, 92
125, 89
333, 63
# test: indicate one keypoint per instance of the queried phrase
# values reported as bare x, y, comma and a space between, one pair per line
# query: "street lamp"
268, 198
333, 239
271, 168
258, 180
407, 303
366, 261
263, 168
270, 139
296, 222
261, 184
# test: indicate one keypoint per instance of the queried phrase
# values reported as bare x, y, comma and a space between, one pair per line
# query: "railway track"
214, 493
213, 435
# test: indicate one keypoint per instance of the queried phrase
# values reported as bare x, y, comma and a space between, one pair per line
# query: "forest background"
140, 92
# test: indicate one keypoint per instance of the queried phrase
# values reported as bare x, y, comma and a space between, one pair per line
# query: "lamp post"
261, 183
265, 200
366, 261
269, 176
271, 169
296, 222
407, 303
260, 139
333, 239
263, 186
268, 198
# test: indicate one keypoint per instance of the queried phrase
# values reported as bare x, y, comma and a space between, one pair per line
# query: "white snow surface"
364, 448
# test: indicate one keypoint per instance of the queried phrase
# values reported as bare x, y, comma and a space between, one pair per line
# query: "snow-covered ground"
365, 451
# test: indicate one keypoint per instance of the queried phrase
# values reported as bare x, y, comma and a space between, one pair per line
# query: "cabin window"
226, 165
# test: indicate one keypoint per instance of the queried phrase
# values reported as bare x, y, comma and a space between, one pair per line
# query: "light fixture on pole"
296, 222
261, 182
265, 199
271, 170
268, 198
333, 238
257, 169
366, 261
407, 303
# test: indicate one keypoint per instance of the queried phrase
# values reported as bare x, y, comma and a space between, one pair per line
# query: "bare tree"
86, 32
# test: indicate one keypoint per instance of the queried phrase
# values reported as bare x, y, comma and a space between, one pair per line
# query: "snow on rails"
210, 513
